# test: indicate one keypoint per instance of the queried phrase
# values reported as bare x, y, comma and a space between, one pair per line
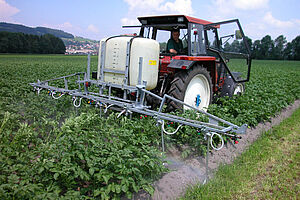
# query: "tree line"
268, 49
28, 43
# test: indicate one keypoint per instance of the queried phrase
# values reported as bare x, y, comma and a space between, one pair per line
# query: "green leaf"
106, 178
80, 156
56, 176
124, 188
97, 192
135, 188
149, 189
41, 169
91, 171
118, 189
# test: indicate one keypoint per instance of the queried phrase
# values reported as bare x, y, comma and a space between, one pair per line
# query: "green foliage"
88, 156
51, 150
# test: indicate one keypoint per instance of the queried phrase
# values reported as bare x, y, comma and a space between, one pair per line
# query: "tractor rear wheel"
193, 87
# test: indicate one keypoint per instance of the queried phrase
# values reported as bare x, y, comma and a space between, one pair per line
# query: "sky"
96, 19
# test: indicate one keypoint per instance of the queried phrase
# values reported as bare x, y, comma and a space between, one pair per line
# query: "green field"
49, 149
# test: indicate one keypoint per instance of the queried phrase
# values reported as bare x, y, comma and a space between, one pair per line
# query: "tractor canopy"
168, 21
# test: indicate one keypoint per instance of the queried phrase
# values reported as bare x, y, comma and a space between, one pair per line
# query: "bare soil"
185, 173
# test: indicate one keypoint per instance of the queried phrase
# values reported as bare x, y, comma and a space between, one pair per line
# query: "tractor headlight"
144, 21
180, 19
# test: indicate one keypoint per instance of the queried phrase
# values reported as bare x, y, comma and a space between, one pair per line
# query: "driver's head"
175, 34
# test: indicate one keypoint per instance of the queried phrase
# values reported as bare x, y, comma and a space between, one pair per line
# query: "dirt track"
188, 172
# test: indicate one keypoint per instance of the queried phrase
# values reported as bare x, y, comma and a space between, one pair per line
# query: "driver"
174, 44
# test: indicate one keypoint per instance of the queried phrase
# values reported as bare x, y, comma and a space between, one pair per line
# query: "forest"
29, 43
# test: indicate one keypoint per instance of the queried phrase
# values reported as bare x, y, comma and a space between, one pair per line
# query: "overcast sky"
96, 19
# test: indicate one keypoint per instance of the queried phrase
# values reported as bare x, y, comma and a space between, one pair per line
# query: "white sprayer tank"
115, 59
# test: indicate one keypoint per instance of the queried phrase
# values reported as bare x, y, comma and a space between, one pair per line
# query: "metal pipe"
140, 70
88, 71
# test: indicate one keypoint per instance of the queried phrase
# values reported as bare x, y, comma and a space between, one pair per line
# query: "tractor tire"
190, 85
230, 88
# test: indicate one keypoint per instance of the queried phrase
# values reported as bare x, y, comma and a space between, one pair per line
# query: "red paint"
195, 58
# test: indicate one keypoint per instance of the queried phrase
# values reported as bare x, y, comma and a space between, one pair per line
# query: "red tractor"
195, 75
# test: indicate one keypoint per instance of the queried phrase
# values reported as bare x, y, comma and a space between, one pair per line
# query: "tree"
279, 45
266, 47
256, 50
296, 48
243, 47
287, 52
4, 42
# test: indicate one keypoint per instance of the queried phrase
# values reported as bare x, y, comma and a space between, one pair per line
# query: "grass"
269, 169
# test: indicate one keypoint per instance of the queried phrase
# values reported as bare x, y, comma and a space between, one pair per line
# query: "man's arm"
170, 47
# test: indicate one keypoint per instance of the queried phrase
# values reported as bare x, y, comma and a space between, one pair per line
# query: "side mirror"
238, 35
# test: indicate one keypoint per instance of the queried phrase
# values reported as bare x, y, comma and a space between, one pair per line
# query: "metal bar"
140, 70
162, 140
79, 87
102, 62
138, 26
114, 71
62, 77
219, 23
127, 62
184, 122
203, 112
84, 85
152, 94
227, 68
109, 92
88, 71
53, 88
206, 160
102, 83
162, 103
248, 56
111, 97
66, 83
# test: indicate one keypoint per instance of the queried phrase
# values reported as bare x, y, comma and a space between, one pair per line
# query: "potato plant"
51, 150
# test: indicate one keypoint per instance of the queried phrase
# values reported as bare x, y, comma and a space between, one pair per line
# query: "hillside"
34, 31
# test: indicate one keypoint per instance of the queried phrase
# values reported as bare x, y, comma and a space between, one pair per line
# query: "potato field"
50, 149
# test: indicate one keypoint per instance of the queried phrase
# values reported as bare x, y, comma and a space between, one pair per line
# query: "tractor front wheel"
193, 87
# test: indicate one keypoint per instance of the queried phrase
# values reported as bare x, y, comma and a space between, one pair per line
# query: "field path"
188, 172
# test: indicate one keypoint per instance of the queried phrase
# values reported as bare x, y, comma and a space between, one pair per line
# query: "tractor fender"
181, 64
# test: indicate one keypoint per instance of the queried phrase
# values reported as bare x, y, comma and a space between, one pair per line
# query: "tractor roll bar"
219, 52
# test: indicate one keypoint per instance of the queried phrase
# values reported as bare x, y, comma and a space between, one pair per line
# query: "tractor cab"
191, 32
